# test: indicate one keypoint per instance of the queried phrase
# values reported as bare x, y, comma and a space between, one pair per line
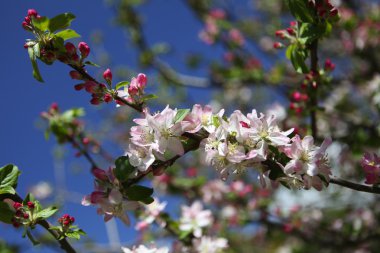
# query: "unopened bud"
70, 48
278, 45
107, 98
75, 75
141, 81
84, 49
107, 75
32, 13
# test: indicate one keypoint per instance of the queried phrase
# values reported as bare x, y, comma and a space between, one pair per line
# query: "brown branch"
64, 244
314, 89
355, 186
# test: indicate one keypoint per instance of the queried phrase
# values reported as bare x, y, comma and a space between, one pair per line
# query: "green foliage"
33, 53
123, 168
300, 10
6, 213
140, 193
46, 213
298, 57
121, 85
60, 21
181, 114
8, 178
67, 34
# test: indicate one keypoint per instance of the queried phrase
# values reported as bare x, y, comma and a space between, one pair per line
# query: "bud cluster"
66, 220
289, 34
23, 214
27, 24
324, 8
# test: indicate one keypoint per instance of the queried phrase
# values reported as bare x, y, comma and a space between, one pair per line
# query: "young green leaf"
41, 23
36, 72
149, 97
46, 213
6, 213
121, 84
181, 114
123, 168
139, 192
91, 64
67, 34
300, 10
60, 21
8, 177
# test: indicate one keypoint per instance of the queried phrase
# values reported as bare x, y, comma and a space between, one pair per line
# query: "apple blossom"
194, 218
151, 213
143, 249
207, 244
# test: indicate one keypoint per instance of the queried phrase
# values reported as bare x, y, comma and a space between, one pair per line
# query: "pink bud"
278, 45
297, 96
32, 12
95, 101
141, 81
26, 46
133, 88
79, 86
244, 124
86, 141
107, 75
26, 26
107, 98
290, 31
329, 66
27, 19
70, 48
293, 23
17, 205
75, 75
54, 107
30, 205
334, 12
280, 34
84, 49
99, 174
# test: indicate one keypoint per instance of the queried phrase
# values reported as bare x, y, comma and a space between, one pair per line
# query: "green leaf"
41, 23
121, 84
28, 197
6, 213
7, 189
91, 64
149, 97
8, 177
46, 213
123, 168
300, 10
36, 72
60, 21
148, 200
67, 34
298, 58
76, 233
181, 114
138, 192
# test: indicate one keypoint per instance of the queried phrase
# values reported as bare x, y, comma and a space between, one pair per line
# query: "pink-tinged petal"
278, 139
308, 142
86, 201
125, 219
96, 197
317, 183
115, 196
175, 145
107, 217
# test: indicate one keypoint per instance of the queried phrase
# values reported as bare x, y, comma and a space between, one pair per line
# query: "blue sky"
22, 98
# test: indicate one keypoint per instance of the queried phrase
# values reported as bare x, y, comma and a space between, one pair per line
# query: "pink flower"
194, 218
236, 37
371, 166
150, 214
308, 162
143, 249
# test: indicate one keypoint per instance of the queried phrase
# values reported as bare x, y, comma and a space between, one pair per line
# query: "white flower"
210, 245
151, 212
140, 157
194, 218
143, 249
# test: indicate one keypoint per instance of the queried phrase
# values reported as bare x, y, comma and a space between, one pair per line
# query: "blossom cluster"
108, 197
213, 29
231, 146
